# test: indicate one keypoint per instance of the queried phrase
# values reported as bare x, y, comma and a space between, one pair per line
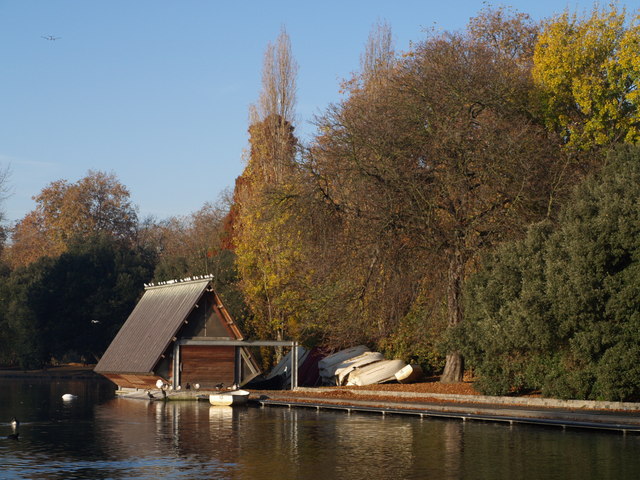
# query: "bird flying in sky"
51, 38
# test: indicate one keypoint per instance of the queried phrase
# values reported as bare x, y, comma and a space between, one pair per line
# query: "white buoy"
67, 396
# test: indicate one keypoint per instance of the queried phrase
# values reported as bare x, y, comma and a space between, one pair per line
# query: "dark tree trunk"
453, 369
454, 366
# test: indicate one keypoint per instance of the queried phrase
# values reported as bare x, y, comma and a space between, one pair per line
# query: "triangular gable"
153, 325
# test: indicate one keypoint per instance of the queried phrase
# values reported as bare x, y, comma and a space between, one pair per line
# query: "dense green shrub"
559, 311
507, 336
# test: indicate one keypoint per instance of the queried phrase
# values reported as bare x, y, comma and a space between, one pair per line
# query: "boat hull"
238, 397
373, 373
343, 369
409, 374
341, 356
328, 365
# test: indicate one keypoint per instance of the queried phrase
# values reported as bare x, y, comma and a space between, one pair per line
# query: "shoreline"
429, 394
495, 401
69, 371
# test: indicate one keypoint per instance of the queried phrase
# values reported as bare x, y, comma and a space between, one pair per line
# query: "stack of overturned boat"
352, 366
360, 366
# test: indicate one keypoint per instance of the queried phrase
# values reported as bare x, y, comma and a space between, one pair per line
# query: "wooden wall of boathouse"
207, 365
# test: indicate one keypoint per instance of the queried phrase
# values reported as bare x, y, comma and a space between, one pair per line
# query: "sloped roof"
151, 327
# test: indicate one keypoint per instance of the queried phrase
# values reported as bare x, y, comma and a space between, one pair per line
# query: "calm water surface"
97, 436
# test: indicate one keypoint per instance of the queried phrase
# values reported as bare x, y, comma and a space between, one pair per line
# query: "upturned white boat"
378, 372
236, 397
409, 373
328, 364
343, 369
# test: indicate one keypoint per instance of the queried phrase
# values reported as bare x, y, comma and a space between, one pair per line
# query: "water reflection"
98, 436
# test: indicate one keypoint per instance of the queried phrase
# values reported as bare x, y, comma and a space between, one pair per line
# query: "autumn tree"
443, 162
272, 118
379, 54
321, 283
363, 281
509, 33
188, 245
265, 243
96, 204
193, 245
588, 69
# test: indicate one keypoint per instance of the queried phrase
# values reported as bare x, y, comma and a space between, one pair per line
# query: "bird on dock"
150, 395
219, 386
235, 387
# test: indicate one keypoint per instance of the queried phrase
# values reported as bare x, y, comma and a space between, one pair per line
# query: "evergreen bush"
559, 311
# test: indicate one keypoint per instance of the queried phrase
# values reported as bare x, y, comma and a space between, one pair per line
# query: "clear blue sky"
158, 91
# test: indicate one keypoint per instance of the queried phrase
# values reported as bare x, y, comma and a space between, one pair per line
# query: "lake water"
97, 436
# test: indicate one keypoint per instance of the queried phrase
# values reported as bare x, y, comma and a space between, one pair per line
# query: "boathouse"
180, 333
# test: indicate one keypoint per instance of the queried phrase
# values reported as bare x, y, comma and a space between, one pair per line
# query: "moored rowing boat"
236, 397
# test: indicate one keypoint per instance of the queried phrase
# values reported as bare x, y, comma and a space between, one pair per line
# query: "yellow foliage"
588, 71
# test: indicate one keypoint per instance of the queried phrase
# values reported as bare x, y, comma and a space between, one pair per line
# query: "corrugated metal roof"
151, 327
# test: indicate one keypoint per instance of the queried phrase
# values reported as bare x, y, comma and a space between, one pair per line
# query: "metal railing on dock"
426, 413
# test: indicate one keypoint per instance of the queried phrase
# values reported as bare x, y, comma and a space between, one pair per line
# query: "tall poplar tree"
266, 245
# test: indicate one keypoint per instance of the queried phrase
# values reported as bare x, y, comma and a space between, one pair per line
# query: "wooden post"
176, 365
237, 371
294, 366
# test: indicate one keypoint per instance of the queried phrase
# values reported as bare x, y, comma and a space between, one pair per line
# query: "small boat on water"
235, 397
